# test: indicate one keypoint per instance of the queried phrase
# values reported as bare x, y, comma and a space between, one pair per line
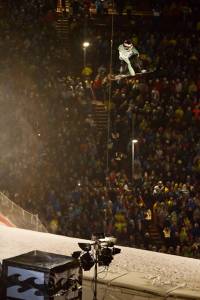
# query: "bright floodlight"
134, 141
86, 44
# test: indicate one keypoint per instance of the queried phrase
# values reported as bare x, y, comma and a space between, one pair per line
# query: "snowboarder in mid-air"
129, 57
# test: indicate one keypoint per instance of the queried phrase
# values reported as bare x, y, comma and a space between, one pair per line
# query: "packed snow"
161, 269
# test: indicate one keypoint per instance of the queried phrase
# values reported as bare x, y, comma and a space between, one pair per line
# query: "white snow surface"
165, 271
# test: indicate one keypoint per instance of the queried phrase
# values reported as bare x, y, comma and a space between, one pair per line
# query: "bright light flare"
86, 44
134, 141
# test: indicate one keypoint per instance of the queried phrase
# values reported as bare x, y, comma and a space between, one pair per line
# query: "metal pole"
133, 157
95, 273
95, 282
84, 56
110, 94
134, 141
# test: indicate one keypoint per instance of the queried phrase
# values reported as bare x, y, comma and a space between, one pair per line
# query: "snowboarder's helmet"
128, 44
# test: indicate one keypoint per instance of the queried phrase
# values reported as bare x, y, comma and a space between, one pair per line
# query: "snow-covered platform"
133, 275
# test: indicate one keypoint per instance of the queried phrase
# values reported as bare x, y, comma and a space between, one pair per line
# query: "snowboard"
122, 76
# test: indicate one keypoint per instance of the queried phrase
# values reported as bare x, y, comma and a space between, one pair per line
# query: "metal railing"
18, 216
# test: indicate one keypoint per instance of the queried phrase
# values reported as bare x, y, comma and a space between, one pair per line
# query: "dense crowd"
182, 8
54, 160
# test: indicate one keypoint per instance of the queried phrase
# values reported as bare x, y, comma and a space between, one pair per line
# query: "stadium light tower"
85, 46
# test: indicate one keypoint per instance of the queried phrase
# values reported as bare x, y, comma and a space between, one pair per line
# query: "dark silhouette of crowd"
56, 163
